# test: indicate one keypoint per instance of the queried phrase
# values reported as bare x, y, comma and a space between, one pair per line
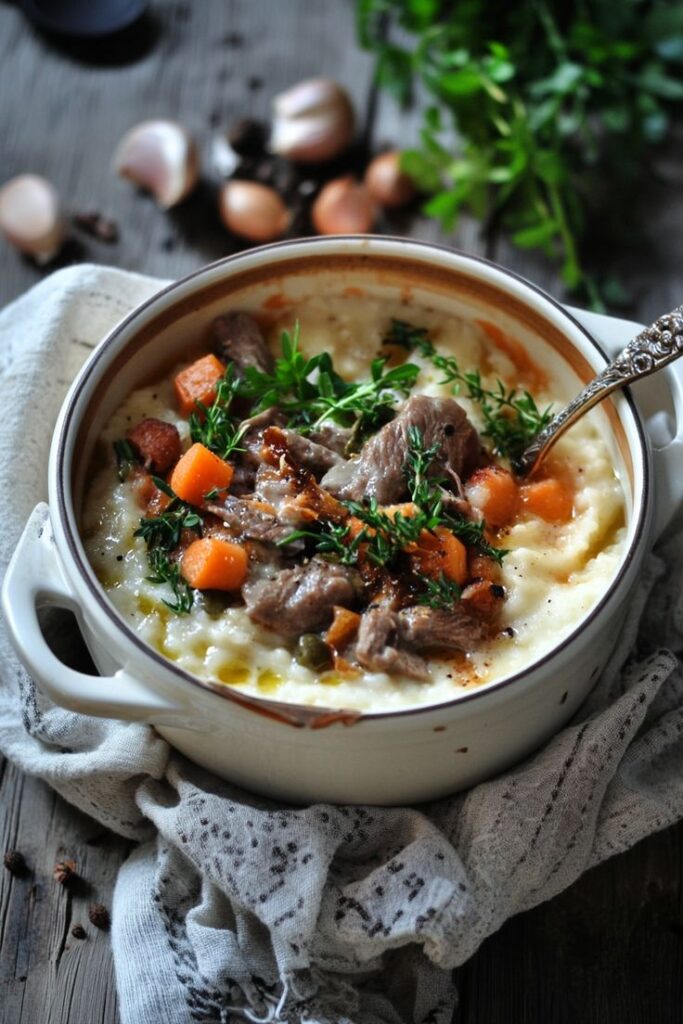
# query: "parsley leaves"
539, 114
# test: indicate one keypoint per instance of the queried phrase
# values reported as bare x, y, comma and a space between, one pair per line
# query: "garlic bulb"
253, 211
312, 122
343, 207
161, 157
386, 182
30, 217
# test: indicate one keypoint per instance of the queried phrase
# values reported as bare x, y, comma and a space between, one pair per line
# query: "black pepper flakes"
99, 916
15, 863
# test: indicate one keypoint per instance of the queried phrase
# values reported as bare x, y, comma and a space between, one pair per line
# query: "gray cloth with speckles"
232, 907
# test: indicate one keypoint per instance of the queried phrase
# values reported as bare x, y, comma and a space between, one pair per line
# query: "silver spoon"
655, 347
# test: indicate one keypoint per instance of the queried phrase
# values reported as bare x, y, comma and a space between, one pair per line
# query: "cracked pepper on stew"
362, 523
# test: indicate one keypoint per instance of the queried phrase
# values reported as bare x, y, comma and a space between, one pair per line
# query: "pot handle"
34, 580
667, 457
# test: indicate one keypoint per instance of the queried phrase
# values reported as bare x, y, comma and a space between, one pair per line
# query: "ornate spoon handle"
649, 351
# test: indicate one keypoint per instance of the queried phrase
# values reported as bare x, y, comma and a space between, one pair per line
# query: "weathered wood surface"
608, 950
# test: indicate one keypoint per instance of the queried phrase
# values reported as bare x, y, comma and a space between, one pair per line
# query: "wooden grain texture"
610, 949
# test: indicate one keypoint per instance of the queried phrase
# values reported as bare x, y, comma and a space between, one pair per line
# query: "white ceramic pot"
299, 753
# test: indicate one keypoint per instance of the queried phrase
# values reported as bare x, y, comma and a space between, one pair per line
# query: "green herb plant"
538, 112
511, 417
309, 391
162, 534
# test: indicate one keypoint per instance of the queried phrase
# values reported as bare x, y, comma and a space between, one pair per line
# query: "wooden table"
608, 950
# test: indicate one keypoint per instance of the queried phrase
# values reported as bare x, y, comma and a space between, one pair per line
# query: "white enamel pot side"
298, 753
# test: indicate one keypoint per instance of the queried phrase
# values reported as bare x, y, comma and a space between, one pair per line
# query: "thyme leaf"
125, 459
213, 425
438, 593
512, 418
310, 391
166, 571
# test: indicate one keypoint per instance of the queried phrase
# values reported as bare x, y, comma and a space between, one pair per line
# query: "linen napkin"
235, 907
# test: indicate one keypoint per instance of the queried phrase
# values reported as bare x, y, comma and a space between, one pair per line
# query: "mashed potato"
553, 574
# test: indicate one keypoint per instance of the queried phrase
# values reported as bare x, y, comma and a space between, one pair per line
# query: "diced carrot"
484, 600
357, 526
493, 492
197, 383
484, 568
197, 472
406, 508
549, 499
439, 553
343, 629
213, 564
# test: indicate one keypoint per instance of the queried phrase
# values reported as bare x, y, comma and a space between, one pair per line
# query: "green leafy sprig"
439, 593
213, 425
540, 114
333, 540
309, 391
511, 417
125, 459
163, 531
166, 571
162, 534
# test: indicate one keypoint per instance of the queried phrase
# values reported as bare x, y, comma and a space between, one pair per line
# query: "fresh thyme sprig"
163, 531
310, 391
125, 459
213, 425
332, 539
162, 534
511, 417
438, 593
166, 571
473, 535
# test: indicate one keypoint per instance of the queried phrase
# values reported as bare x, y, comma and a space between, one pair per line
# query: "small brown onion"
386, 182
312, 122
253, 211
343, 207
30, 218
161, 157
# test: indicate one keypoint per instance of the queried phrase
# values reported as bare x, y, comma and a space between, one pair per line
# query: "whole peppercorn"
99, 916
64, 871
15, 863
79, 932
247, 136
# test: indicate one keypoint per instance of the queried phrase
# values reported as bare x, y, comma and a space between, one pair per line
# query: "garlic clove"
253, 211
386, 182
343, 207
312, 122
30, 217
161, 157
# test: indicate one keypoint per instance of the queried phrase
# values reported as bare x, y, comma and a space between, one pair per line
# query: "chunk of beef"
424, 628
301, 600
377, 646
332, 436
310, 454
248, 520
156, 443
379, 471
238, 339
